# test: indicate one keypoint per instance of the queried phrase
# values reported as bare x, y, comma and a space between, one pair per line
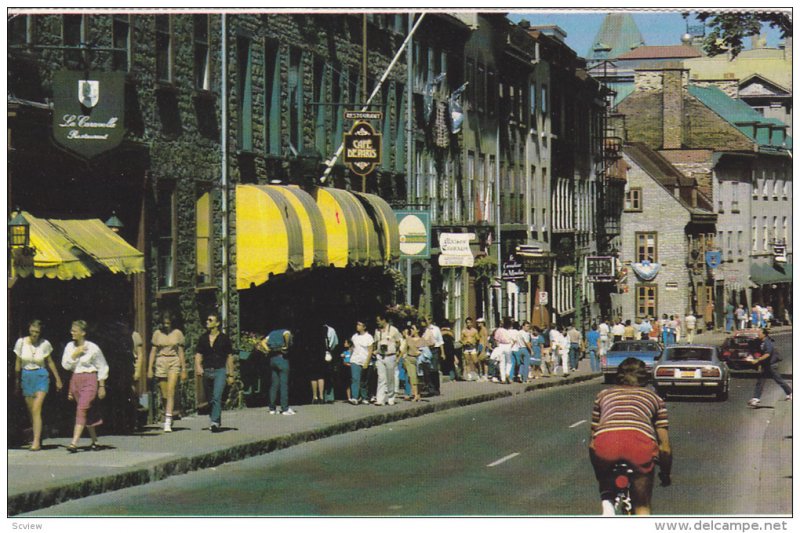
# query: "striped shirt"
629, 408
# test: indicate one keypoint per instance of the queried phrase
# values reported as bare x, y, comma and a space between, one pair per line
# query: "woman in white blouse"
89, 373
33, 352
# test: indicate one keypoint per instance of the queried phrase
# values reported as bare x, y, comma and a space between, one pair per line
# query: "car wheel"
722, 395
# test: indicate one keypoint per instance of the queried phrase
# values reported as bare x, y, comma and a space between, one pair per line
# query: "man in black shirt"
768, 362
214, 362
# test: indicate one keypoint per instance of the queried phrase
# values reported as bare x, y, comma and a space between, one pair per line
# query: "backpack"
276, 342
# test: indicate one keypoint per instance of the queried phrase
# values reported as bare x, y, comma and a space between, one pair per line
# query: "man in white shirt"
435, 334
604, 342
690, 321
387, 339
618, 331
363, 344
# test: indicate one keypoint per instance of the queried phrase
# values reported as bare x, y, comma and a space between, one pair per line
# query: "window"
245, 70
167, 222
646, 247
164, 49
720, 207
776, 188
74, 35
532, 92
729, 248
480, 88
205, 252
400, 136
739, 239
785, 231
734, 196
646, 300
296, 99
774, 229
765, 236
272, 102
764, 185
491, 92
544, 100
319, 96
633, 199
786, 184
122, 36
20, 31
202, 53
754, 230
470, 199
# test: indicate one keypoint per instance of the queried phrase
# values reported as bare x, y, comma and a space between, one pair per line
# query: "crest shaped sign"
713, 259
362, 148
88, 111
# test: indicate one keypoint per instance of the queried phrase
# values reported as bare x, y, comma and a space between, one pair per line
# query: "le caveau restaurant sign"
88, 111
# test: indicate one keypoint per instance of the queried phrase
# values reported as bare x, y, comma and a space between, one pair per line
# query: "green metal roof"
743, 117
618, 34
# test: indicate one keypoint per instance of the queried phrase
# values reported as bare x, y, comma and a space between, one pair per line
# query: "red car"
738, 347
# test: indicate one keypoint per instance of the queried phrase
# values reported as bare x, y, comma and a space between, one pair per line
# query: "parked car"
645, 350
738, 347
692, 369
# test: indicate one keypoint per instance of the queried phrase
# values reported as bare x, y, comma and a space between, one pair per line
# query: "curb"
34, 500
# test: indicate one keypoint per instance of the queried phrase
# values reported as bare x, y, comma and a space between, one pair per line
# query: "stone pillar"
672, 107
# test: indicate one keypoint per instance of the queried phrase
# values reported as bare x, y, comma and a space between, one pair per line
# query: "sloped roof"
618, 33
666, 175
741, 116
680, 51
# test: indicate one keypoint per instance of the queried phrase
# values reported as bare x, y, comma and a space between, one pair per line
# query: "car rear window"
688, 354
635, 347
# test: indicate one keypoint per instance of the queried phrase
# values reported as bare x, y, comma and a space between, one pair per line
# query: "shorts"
166, 365
34, 381
634, 447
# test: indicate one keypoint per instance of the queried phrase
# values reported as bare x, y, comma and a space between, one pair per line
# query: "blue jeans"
214, 386
593, 360
770, 372
728, 324
574, 351
358, 382
280, 380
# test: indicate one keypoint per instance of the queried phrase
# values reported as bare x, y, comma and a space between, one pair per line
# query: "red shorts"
634, 447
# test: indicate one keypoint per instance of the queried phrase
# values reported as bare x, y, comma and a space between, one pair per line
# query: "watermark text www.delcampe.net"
723, 525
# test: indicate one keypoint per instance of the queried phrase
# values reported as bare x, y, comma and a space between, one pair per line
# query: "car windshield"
743, 341
688, 354
635, 347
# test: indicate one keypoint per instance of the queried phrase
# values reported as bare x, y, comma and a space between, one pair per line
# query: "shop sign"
88, 111
538, 265
512, 270
455, 250
415, 234
363, 115
362, 148
671, 286
600, 269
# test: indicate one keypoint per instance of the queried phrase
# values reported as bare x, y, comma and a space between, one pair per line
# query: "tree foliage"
726, 31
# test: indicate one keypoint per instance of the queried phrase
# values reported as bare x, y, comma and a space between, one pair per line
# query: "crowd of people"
739, 318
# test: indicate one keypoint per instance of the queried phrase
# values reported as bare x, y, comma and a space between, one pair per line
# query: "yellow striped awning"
75, 249
283, 229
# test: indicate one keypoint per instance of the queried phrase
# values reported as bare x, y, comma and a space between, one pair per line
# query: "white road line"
503, 460
576, 424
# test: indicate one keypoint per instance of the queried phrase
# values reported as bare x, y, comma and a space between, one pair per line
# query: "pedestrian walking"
214, 363
618, 330
605, 337
741, 317
575, 339
277, 345
168, 357
31, 376
387, 339
469, 350
88, 383
331, 368
563, 349
413, 343
768, 366
433, 332
315, 365
537, 345
728, 317
502, 351
708, 315
347, 351
450, 359
483, 349
593, 347
522, 352
629, 333
690, 321
645, 328
363, 346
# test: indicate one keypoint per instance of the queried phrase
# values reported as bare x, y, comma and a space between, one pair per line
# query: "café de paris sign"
88, 111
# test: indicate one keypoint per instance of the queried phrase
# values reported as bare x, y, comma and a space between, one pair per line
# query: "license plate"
687, 374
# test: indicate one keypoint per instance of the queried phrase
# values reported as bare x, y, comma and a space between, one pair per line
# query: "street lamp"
114, 223
19, 231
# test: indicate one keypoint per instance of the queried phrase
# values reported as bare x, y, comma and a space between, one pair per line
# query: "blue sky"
663, 28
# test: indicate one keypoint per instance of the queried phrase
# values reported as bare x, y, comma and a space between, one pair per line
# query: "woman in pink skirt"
89, 373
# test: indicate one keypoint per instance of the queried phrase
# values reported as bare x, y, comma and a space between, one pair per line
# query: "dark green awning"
763, 273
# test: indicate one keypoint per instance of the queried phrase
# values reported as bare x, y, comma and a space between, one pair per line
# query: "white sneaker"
391, 402
608, 508
289, 412
274, 411
753, 402
167, 427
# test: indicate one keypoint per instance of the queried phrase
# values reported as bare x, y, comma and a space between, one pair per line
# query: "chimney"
672, 108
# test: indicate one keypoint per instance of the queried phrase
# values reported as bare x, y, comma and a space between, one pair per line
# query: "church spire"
617, 35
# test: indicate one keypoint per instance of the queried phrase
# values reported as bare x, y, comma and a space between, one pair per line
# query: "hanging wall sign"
88, 111
455, 250
415, 234
362, 148
713, 259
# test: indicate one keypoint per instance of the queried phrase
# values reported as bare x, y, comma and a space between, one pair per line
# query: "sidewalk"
51, 476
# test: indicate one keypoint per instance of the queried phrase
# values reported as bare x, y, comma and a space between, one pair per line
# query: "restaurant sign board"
88, 111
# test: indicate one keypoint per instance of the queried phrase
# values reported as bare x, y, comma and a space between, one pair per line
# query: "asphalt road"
520, 456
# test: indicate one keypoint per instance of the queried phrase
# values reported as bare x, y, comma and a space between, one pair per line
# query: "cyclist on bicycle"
629, 423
